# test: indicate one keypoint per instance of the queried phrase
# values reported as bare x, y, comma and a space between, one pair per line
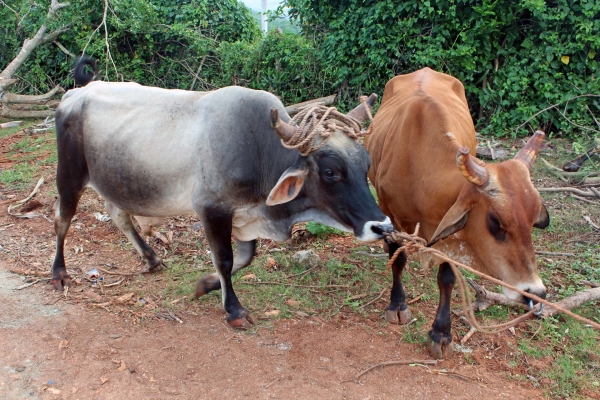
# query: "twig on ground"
585, 200
372, 254
592, 284
121, 273
591, 223
552, 253
292, 285
175, 317
29, 272
375, 299
585, 193
27, 285
415, 299
114, 283
573, 301
302, 273
399, 362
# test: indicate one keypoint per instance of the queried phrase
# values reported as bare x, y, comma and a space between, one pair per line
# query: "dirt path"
66, 350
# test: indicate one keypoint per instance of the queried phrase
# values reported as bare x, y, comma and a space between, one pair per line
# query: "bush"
514, 57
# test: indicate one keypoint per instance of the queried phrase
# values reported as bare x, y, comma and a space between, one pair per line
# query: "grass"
562, 354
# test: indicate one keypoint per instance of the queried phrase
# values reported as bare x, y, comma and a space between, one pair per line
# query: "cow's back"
413, 159
150, 150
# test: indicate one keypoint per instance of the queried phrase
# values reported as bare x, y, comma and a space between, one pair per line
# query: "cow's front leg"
123, 221
398, 311
243, 257
217, 226
439, 341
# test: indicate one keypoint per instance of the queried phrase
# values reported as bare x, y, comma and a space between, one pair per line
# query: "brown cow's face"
499, 225
495, 213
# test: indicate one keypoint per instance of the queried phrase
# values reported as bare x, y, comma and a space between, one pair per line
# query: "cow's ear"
454, 220
288, 186
543, 219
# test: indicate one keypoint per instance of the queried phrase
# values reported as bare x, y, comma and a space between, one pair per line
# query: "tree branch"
64, 49
39, 99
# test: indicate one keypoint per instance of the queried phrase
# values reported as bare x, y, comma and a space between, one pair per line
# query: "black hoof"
207, 284
240, 319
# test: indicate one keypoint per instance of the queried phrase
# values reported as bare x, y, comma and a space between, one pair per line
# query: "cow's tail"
85, 71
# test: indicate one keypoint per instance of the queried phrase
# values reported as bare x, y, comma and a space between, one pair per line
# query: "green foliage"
318, 229
514, 57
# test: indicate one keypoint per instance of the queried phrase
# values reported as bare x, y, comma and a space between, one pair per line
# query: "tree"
29, 45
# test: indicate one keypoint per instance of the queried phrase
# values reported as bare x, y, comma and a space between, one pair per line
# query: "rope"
413, 243
322, 121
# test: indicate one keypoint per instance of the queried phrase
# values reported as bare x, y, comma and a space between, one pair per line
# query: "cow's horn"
475, 173
530, 151
283, 129
360, 112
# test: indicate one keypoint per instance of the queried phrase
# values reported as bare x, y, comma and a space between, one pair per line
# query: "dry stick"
580, 192
554, 106
27, 285
399, 362
375, 299
591, 223
592, 284
292, 285
120, 273
585, 200
415, 299
419, 244
552, 253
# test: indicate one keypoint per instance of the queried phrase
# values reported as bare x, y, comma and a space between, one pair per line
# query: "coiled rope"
322, 122
412, 243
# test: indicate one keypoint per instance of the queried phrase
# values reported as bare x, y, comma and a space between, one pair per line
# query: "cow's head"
495, 213
333, 179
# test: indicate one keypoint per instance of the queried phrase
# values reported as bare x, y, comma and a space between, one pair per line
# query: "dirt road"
62, 350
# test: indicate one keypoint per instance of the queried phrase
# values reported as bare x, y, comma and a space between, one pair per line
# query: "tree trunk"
10, 113
296, 108
25, 99
30, 44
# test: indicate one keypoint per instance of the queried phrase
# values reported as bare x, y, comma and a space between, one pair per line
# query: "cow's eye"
495, 227
330, 175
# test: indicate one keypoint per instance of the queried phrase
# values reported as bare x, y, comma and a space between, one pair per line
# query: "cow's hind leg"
243, 257
65, 209
398, 311
123, 221
217, 226
439, 341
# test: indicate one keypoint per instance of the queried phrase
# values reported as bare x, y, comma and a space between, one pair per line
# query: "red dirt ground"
93, 346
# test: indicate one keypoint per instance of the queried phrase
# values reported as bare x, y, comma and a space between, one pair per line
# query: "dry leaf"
293, 303
63, 344
271, 263
249, 277
53, 390
124, 298
103, 379
122, 367
272, 313
74, 390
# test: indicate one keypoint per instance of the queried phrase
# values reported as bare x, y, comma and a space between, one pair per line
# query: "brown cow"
477, 213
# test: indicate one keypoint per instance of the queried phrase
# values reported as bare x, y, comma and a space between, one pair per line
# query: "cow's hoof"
242, 322
156, 265
396, 317
61, 281
440, 351
207, 284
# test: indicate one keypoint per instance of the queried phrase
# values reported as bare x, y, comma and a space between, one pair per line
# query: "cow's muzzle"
375, 230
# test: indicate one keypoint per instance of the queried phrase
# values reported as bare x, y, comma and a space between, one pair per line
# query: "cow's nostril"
377, 229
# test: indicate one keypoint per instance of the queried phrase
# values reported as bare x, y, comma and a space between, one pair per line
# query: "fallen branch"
375, 299
11, 124
25, 200
399, 362
584, 193
27, 99
591, 223
576, 163
487, 298
585, 200
29, 272
574, 301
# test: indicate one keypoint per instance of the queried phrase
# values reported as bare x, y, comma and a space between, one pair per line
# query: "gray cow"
153, 152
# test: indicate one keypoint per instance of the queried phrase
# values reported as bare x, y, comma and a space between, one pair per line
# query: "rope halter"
321, 122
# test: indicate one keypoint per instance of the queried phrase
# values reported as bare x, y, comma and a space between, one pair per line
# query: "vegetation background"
515, 58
